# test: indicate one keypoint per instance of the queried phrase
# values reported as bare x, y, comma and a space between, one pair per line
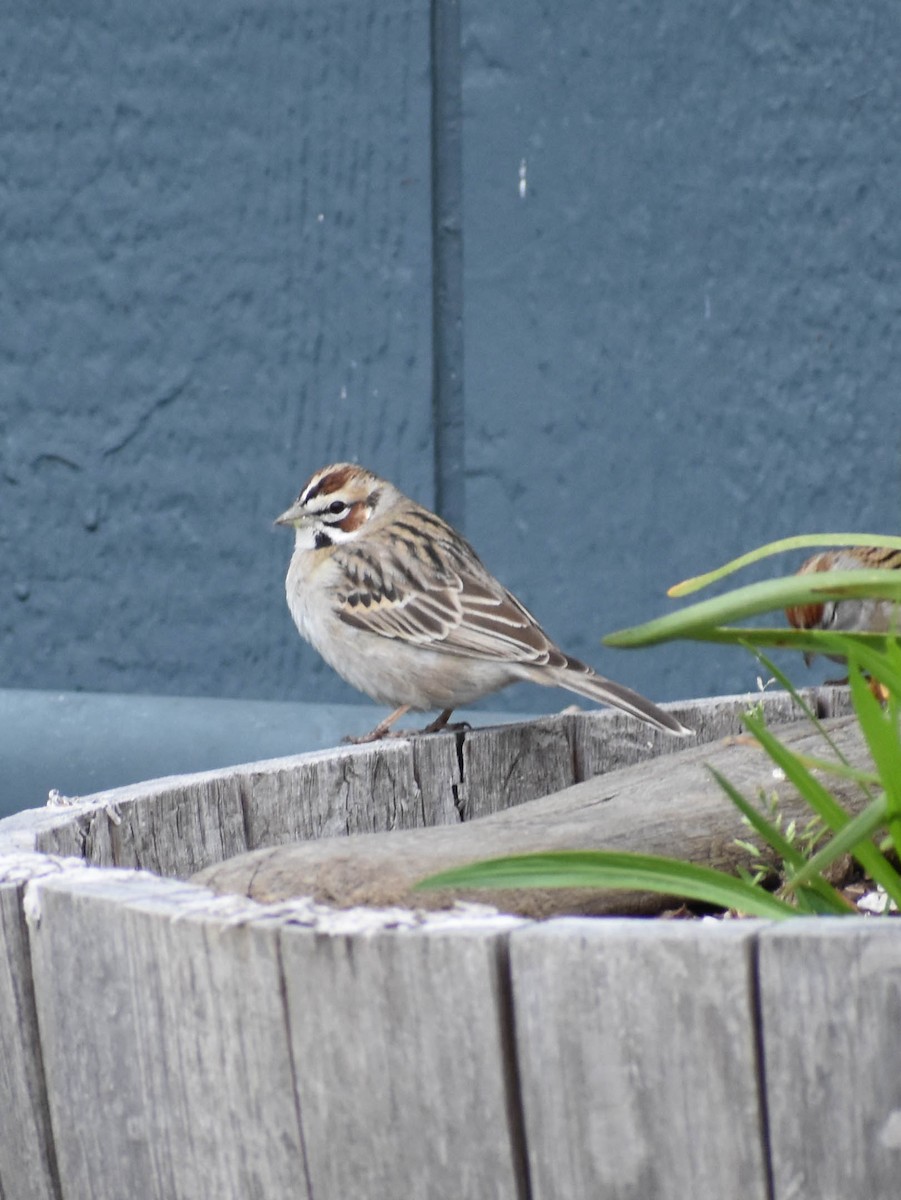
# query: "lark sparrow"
852, 615
398, 603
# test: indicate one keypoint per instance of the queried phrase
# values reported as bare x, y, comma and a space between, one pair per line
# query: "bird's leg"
382, 730
440, 721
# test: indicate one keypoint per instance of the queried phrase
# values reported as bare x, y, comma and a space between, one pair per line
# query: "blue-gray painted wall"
673, 333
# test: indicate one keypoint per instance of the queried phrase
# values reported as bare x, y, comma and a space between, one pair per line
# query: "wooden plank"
679, 811
830, 997
512, 764
606, 740
165, 1041
179, 825
438, 766
169, 826
329, 794
403, 1061
636, 1054
28, 1169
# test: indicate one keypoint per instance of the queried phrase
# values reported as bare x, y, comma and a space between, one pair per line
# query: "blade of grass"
799, 542
782, 678
755, 598
833, 900
880, 728
866, 779
823, 804
864, 825
608, 869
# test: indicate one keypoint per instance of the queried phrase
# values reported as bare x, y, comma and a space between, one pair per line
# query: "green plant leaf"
824, 804
702, 620
859, 828
831, 900
608, 869
880, 728
799, 542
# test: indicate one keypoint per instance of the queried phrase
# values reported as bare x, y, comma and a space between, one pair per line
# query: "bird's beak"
291, 516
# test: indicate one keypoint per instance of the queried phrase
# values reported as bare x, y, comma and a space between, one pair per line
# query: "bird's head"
335, 504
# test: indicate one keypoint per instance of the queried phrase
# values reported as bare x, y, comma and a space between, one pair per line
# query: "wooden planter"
159, 1040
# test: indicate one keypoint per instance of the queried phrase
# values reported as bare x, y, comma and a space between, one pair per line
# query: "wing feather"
431, 590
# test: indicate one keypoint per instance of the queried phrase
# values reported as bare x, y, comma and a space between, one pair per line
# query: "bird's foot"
383, 730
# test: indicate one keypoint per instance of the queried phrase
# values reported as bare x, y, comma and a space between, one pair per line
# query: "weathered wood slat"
830, 995
329, 795
680, 812
170, 826
515, 764
621, 742
403, 1061
28, 1169
165, 1041
637, 1067
180, 825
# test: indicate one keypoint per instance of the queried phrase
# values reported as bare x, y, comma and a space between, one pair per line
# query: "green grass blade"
864, 825
866, 779
824, 804
800, 542
842, 768
831, 900
880, 728
608, 869
755, 637
769, 595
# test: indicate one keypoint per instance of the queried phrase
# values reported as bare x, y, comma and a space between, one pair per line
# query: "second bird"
399, 604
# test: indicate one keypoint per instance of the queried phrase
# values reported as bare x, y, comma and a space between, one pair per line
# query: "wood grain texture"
607, 740
830, 996
181, 824
403, 1062
678, 811
164, 1039
514, 763
330, 794
168, 826
636, 1052
28, 1169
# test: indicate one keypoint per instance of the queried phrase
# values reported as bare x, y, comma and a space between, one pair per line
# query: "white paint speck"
320, 217
523, 181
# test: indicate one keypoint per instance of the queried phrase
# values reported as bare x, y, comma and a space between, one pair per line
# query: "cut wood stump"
677, 810
160, 1040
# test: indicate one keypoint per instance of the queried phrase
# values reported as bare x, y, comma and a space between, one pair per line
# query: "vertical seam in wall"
760, 1062
286, 1014
447, 260
516, 1120
45, 1117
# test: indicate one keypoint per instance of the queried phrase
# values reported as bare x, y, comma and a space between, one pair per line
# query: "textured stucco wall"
681, 301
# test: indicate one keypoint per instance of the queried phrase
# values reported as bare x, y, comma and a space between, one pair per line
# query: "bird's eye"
337, 506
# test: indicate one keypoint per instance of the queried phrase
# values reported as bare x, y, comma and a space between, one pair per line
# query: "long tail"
579, 678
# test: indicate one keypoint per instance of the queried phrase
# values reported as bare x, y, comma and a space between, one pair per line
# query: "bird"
399, 604
856, 614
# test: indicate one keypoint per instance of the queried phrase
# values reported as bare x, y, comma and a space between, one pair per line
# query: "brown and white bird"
398, 603
853, 615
